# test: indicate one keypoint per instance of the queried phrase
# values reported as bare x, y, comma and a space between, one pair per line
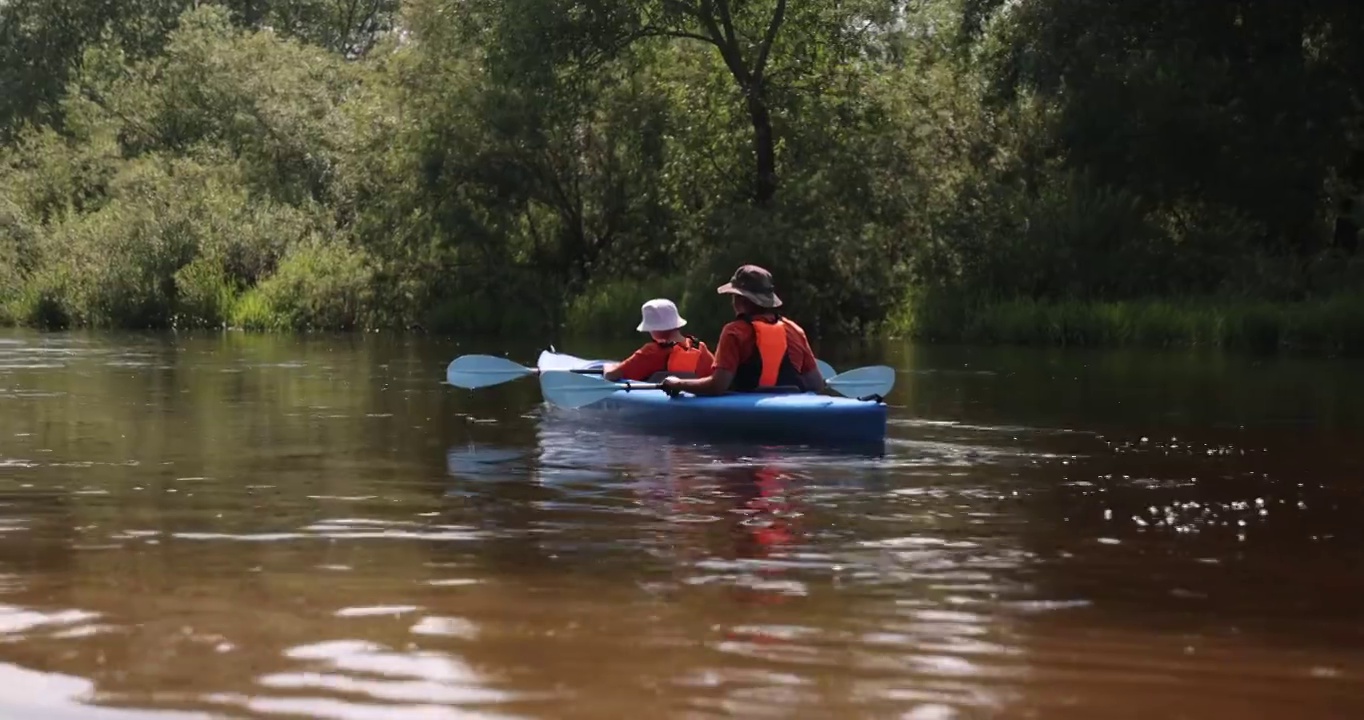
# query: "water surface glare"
228, 525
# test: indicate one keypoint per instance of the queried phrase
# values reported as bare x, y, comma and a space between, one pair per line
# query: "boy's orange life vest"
685, 356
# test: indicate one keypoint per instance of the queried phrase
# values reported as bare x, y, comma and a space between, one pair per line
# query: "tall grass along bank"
1333, 325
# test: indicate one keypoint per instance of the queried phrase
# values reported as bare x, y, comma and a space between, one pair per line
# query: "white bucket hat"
659, 315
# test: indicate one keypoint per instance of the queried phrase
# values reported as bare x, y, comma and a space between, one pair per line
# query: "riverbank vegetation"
1047, 171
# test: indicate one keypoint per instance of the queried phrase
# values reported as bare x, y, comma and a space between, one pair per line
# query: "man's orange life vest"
770, 365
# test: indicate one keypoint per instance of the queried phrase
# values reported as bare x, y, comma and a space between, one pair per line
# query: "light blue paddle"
552, 360
572, 390
479, 371
867, 381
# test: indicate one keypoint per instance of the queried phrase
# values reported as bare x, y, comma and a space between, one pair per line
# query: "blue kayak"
783, 417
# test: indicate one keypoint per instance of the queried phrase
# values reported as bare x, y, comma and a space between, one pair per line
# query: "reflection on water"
241, 526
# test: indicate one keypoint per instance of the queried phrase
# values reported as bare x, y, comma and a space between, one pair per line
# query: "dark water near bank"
245, 526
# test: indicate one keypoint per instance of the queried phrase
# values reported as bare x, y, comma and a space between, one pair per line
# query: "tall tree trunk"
716, 21
764, 147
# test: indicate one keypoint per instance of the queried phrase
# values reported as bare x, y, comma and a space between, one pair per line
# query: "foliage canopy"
509, 165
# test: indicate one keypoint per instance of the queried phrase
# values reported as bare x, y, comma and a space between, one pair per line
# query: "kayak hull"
783, 417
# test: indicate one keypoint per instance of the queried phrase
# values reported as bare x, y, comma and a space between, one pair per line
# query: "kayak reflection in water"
668, 351
759, 349
725, 519
760, 497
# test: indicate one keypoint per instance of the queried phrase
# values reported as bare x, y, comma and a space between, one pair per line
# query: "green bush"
42, 302
318, 286
612, 308
170, 244
11, 284
251, 311
122, 260
204, 294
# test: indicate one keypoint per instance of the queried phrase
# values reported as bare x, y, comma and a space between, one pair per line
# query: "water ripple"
362, 679
348, 529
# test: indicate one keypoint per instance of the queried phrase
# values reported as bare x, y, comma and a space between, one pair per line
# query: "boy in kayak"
759, 348
668, 351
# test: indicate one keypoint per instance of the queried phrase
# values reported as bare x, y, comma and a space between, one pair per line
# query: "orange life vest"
770, 364
685, 356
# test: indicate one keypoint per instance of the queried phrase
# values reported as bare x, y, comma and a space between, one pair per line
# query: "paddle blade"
476, 371
571, 390
861, 382
550, 360
825, 370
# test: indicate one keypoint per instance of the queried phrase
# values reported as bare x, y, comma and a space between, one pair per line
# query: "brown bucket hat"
754, 283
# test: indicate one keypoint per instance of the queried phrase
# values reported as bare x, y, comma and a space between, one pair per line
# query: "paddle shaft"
578, 371
478, 371
831, 383
774, 390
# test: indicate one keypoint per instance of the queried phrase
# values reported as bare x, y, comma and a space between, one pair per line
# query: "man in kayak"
668, 350
759, 348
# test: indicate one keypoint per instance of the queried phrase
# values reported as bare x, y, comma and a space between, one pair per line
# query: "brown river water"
228, 525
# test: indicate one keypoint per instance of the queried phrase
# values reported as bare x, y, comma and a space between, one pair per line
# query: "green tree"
1237, 121
766, 47
42, 42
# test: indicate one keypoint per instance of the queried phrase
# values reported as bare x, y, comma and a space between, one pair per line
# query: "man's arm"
811, 379
720, 378
716, 384
612, 371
